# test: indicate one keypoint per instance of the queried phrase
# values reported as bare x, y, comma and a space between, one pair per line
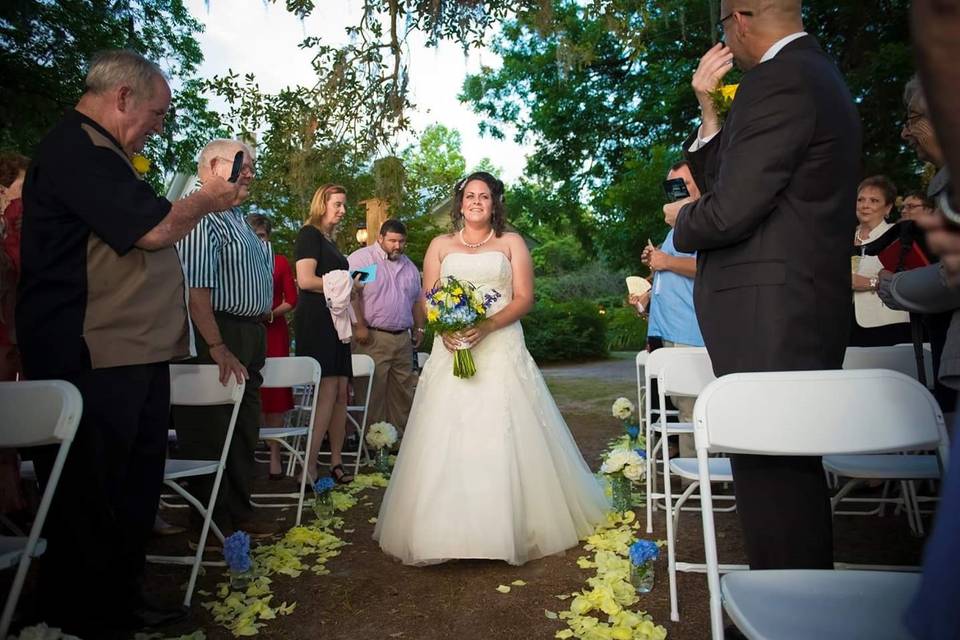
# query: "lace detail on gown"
487, 467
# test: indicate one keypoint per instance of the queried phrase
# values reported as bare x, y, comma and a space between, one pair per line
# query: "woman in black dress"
316, 254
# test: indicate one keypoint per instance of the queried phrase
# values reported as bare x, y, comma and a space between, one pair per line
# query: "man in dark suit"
773, 232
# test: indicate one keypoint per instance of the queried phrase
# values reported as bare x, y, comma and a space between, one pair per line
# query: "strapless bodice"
488, 271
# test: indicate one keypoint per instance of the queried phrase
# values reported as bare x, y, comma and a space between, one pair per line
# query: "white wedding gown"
487, 467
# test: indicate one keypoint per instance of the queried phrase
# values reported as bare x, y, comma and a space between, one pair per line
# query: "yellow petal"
518, 583
503, 589
566, 633
550, 614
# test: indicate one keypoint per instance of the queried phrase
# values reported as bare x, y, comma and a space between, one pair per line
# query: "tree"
45, 46
603, 95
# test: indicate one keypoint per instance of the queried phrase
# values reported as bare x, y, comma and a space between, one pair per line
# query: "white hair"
221, 148
914, 96
122, 68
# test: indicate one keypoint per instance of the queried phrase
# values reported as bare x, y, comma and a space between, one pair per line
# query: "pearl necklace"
475, 245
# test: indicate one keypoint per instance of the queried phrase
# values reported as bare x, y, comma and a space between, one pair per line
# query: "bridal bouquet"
455, 305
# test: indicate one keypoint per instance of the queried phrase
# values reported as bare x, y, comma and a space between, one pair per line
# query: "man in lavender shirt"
389, 323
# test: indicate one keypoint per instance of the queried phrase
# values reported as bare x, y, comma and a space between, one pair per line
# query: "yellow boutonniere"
140, 163
722, 98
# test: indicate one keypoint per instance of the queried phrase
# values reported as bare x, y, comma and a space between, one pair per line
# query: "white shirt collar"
780, 44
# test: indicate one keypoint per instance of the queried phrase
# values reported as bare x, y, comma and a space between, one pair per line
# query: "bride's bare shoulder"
441, 245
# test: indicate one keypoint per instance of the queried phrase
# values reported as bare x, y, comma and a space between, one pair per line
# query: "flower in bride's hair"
622, 408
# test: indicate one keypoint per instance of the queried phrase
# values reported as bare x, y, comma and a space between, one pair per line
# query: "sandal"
341, 478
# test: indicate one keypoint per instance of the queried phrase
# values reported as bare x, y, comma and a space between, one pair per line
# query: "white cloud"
248, 36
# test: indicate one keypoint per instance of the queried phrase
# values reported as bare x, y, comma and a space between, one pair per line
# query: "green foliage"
44, 50
625, 331
565, 331
591, 282
557, 256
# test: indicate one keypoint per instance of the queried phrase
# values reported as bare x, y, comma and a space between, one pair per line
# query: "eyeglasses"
249, 168
912, 118
720, 23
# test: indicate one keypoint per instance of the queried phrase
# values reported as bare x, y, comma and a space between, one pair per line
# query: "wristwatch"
874, 281
420, 330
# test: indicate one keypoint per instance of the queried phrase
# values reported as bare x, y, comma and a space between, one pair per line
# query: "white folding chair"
657, 429
686, 373
199, 385
42, 412
903, 468
363, 367
282, 373
811, 413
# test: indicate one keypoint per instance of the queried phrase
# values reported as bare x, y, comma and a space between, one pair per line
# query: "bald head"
753, 26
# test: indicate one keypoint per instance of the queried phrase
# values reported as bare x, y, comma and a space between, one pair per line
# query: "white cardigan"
870, 310
337, 287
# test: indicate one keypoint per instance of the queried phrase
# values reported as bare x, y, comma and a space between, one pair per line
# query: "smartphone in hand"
676, 189
237, 167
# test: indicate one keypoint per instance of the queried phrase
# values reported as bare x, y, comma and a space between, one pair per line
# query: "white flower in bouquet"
43, 632
381, 435
615, 460
622, 409
633, 472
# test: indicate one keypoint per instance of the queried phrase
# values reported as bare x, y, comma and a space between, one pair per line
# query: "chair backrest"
199, 385
38, 412
818, 413
362, 365
899, 357
657, 359
290, 371
685, 372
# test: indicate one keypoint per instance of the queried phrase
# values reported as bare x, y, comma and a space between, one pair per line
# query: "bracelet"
214, 345
420, 329
271, 316
874, 281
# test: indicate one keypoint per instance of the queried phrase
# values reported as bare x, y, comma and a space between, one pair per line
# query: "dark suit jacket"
774, 226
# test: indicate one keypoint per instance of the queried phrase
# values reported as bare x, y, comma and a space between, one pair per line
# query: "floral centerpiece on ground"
455, 305
643, 553
236, 553
322, 503
382, 436
623, 466
624, 411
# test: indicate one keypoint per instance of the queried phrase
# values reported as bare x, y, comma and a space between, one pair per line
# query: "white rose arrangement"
623, 409
629, 462
381, 435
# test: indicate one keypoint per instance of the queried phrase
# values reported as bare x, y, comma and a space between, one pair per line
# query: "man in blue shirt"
672, 316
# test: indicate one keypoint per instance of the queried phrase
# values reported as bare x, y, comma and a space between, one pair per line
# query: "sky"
251, 36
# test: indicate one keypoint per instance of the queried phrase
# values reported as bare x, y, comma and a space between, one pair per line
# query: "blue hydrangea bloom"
633, 430
643, 550
236, 552
322, 485
642, 453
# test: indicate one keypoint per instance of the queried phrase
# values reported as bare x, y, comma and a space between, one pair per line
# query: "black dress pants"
784, 508
103, 510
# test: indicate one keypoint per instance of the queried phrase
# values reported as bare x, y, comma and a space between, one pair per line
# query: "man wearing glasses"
772, 232
230, 274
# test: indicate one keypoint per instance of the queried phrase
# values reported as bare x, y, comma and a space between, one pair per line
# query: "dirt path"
368, 595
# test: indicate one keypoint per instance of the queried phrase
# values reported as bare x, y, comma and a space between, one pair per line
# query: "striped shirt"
223, 254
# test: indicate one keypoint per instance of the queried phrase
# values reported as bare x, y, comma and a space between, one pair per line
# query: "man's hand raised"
714, 64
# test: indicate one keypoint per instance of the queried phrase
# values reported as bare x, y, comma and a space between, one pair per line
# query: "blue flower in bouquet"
642, 551
642, 453
322, 485
236, 552
633, 431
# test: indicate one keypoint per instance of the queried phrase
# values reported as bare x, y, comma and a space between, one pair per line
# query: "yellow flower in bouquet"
454, 305
141, 163
722, 98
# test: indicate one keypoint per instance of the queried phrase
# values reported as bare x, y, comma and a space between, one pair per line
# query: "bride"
487, 467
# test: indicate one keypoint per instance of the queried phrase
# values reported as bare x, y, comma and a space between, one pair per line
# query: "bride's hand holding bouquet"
457, 310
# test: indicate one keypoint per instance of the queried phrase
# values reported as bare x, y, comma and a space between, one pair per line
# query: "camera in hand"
676, 189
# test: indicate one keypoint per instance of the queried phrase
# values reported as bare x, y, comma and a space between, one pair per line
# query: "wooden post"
377, 214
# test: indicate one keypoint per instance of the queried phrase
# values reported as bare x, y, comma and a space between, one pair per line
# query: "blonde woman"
316, 254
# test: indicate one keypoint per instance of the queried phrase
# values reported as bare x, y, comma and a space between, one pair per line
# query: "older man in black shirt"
102, 305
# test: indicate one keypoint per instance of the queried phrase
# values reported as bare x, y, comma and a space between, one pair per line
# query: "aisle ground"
368, 595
